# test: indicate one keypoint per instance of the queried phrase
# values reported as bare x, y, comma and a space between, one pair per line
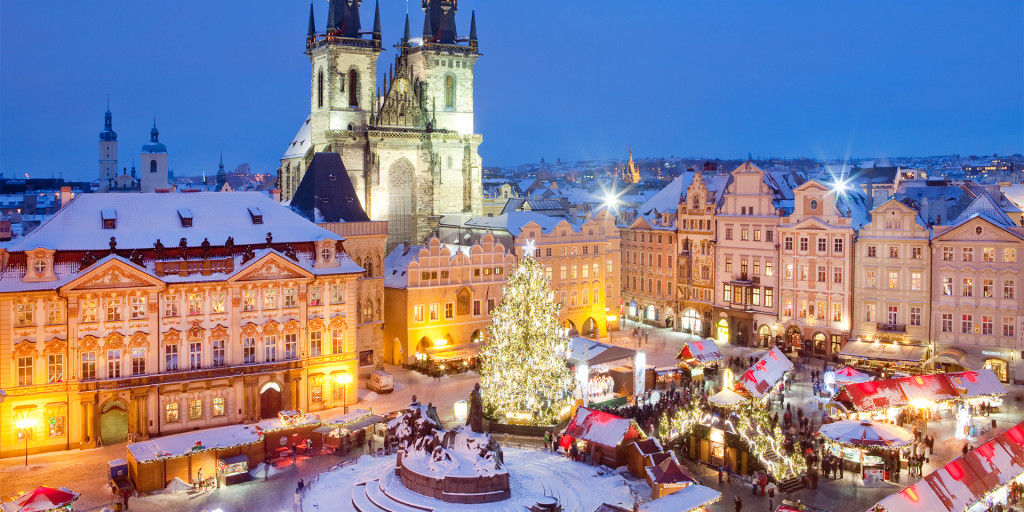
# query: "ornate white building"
408, 143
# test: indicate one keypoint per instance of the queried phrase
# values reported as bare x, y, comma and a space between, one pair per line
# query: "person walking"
771, 497
738, 504
719, 476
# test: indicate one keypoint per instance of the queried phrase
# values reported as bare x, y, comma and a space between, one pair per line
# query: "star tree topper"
530, 248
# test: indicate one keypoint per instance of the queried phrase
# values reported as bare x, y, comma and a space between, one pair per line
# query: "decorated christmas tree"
524, 375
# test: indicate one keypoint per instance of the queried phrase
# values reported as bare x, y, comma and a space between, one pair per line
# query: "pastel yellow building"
439, 298
137, 315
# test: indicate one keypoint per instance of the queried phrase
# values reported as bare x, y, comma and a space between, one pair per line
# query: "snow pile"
178, 485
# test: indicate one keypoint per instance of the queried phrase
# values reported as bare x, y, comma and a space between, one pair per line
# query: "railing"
181, 375
188, 267
891, 327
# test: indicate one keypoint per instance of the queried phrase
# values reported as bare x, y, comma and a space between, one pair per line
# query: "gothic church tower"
108, 152
408, 144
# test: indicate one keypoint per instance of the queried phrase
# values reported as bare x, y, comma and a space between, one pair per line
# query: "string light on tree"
524, 375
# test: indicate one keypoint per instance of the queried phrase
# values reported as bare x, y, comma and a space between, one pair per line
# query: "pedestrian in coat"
738, 503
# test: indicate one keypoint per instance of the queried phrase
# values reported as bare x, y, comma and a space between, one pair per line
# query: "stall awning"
237, 459
940, 387
883, 351
455, 354
699, 353
363, 423
583, 350
766, 372
952, 355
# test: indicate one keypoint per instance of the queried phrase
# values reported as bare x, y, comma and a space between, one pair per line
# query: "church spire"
406, 37
472, 29
428, 30
311, 32
108, 133
154, 134
376, 21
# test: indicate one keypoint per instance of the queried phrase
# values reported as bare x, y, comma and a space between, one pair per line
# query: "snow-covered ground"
534, 474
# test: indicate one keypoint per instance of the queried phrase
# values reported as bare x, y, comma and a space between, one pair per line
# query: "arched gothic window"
353, 87
320, 89
449, 91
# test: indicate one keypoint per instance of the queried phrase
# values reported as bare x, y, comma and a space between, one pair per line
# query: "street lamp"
343, 380
24, 426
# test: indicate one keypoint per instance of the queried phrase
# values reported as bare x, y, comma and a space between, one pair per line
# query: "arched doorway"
741, 332
570, 328
590, 327
764, 335
670, 318
819, 343
723, 331
113, 422
424, 345
477, 336
794, 338
270, 400
652, 314
632, 310
692, 322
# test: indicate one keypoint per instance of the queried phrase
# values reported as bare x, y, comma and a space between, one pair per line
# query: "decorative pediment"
978, 229
24, 348
55, 346
195, 333
811, 223
114, 340
271, 327
172, 336
291, 326
250, 330
139, 340
316, 323
338, 322
271, 267
219, 332
89, 343
113, 274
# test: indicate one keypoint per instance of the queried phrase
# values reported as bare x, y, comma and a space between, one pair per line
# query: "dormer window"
185, 215
109, 216
39, 266
325, 254
256, 214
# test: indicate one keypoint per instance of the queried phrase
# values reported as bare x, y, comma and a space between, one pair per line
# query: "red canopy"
881, 394
42, 499
601, 428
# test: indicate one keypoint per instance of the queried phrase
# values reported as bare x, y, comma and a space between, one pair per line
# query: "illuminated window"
1010, 255
137, 306
915, 281
217, 302
113, 364
967, 324
25, 314
872, 251
269, 348
88, 365
337, 341
315, 295
195, 355
316, 343
987, 288
54, 368
1008, 289
270, 298
249, 350
54, 313
947, 322
171, 358
947, 254
986, 324
195, 410
988, 254
967, 290
218, 407
171, 412
337, 294
291, 298
217, 351
417, 313
291, 346
967, 253
170, 305
195, 304
915, 316
138, 361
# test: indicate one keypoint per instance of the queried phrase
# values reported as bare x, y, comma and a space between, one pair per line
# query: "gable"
270, 267
968, 231
112, 274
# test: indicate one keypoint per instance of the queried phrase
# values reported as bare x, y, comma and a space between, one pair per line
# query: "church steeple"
222, 175
406, 37
428, 29
472, 29
311, 32
350, 26
154, 134
376, 21
108, 133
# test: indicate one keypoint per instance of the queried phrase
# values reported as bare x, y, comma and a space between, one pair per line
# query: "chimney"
276, 194
66, 195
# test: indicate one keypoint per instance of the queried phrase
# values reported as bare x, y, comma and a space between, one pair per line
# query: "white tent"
726, 398
866, 433
847, 374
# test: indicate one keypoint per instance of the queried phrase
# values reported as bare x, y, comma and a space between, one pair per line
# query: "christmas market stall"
727, 399
600, 436
193, 457
43, 499
766, 374
346, 431
989, 477
667, 477
865, 444
951, 394
883, 357
696, 355
605, 372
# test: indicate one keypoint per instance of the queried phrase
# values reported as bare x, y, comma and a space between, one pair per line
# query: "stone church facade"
408, 143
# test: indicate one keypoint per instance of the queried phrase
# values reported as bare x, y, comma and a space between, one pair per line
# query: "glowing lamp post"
24, 427
343, 380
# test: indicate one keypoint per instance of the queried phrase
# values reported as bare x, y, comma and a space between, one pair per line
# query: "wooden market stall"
602, 435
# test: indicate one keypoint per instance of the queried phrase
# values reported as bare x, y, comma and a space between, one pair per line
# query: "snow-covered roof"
177, 445
691, 497
882, 394
301, 142
867, 433
766, 372
667, 199
965, 480
984, 206
886, 351
602, 428
396, 265
585, 350
142, 218
702, 351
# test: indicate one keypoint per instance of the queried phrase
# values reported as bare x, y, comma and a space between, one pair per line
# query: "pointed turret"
108, 133
472, 28
351, 25
332, 21
376, 21
406, 36
222, 175
428, 29
311, 32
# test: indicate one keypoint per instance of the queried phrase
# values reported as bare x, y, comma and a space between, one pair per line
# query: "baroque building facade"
408, 143
106, 332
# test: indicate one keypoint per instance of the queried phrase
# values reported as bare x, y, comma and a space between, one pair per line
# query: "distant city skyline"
573, 80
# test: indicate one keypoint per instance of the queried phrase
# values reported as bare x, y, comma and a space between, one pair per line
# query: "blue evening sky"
575, 79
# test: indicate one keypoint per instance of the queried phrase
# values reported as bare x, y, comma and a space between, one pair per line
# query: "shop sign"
992, 353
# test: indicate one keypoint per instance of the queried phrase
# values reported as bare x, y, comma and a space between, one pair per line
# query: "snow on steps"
361, 502
375, 491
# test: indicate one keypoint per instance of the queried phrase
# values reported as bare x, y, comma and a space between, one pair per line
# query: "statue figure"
113, 244
476, 410
158, 249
